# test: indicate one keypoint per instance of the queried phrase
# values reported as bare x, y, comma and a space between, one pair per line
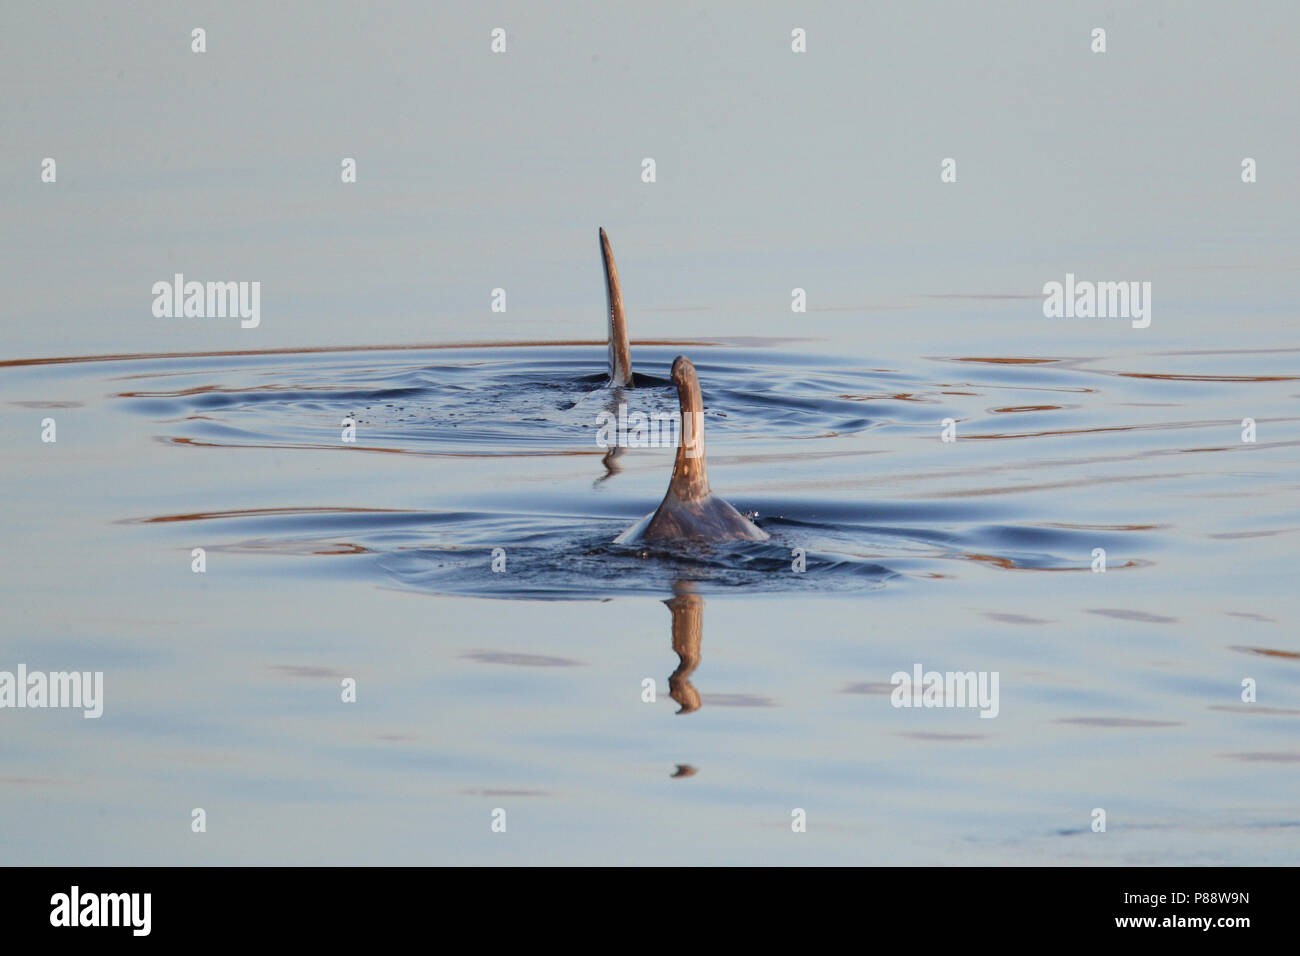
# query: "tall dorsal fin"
690, 471
620, 355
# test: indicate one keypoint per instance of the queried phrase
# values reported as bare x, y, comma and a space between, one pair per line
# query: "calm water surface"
522, 690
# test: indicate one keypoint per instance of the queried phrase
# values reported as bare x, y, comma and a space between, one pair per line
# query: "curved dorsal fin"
690, 471
689, 512
620, 355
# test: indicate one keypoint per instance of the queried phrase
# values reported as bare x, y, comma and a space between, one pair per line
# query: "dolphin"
689, 511
620, 355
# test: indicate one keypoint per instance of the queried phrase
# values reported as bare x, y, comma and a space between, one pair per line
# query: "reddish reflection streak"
249, 512
325, 349
1267, 652
312, 446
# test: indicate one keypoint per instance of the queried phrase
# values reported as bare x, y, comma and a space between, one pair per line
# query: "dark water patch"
1256, 709
1100, 429
1236, 535
302, 547
512, 659
1007, 361
1102, 527
869, 687
565, 548
738, 700
1118, 722
1029, 538
509, 397
1111, 826
305, 670
1266, 757
980, 296
492, 452
241, 513
1022, 409
595, 569
1218, 825
1267, 652
1005, 618
1124, 614
1165, 377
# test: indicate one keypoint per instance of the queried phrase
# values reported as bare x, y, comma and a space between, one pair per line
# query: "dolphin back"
706, 519
690, 512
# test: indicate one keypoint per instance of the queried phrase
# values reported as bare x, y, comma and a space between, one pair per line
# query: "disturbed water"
521, 687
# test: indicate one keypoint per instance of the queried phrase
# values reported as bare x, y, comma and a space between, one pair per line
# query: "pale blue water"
522, 690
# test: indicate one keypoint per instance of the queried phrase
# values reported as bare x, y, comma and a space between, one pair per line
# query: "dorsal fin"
689, 512
690, 471
620, 355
